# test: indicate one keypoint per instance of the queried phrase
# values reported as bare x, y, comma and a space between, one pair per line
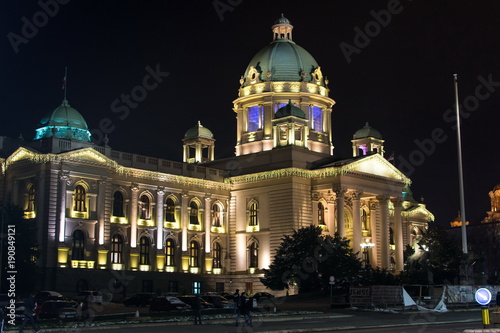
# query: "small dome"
367, 132
197, 132
65, 123
282, 20
289, 110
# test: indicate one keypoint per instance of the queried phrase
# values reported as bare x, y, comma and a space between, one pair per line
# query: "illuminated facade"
173, 225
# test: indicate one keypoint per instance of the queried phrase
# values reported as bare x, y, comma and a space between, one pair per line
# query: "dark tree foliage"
484, 251
378, 276
308, 258
26, 248
439, 260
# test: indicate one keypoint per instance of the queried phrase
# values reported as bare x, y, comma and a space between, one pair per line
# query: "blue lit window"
317, 119
254, 115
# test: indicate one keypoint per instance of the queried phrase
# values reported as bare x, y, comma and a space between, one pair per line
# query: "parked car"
90, 296
141, 299
167, 303
262, 295
58, 309
189, 299
218, 301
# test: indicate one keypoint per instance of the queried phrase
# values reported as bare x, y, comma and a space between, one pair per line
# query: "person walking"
29, 308
196, 306
246, 309
236, 300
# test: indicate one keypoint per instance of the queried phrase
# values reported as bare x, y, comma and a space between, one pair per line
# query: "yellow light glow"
253, 228
194, 227
170, 269
251, 270
29, 215
218, 230
146, 223
217, 271
144, 268
134, 261
102, 257
62, 255
208, 264
160, 262
172, 225
194, 270
120, 220
117, 267
185, 264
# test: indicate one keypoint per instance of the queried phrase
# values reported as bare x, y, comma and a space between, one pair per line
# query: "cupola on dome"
367, 132
282, 60
198, 131
64, 123
289, 110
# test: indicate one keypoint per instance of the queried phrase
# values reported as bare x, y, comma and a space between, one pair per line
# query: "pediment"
378, 166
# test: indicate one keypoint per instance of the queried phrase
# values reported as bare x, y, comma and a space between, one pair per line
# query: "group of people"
243, 306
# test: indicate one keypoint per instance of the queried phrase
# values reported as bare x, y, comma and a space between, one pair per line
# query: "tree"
308, 258
437, 259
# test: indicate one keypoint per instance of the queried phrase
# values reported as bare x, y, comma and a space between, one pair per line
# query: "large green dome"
282, 60
65, 123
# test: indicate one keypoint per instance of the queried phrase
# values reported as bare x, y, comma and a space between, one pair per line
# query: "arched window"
78, 250
193, 213
169, 252
254, 255
118, 204
216, 216
253, 218
29, 202
80, 199
144, 208
117, 249
144, 251
217, 255
321, 214
170, 210
194, 252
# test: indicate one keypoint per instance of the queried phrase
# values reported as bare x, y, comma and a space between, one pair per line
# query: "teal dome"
289, 110
65, 123
282, 60
198, 132
367, 132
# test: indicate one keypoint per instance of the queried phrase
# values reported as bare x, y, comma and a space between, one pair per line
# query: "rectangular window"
196, 287
173, 286
254, 115
317, 119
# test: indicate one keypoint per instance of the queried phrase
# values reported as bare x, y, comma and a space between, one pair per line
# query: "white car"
90, 296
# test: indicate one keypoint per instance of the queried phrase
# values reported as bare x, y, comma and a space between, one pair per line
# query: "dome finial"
282, 29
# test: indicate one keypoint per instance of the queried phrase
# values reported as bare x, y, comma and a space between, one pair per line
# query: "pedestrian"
196, 306
246, 309
236, 300
85, 308
29, 308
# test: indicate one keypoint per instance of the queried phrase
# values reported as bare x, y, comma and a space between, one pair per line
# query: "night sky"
398, 77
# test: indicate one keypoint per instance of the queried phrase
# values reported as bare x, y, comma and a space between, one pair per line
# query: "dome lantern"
367, 140
199, 145
282, 29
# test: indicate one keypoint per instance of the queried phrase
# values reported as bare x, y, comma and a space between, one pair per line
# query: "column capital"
356, 195
208, 196
316, 196
134, 187
160, 190
64, 175
339, 191
184, 195
397, 202
383, 198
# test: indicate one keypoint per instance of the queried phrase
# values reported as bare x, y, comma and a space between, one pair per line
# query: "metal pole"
460, 172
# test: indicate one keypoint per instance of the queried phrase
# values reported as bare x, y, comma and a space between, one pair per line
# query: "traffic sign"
483, 296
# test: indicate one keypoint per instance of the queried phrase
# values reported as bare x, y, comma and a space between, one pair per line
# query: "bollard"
485, 313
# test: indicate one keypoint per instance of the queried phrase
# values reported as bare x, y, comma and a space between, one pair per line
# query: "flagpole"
460, 172
65, 85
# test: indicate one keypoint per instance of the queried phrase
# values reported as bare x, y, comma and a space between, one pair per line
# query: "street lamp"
366, 246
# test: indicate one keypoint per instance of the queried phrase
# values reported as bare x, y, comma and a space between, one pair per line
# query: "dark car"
47, 295
58, 309
141, 299
167, 303
262, 295
189, 300
218, 301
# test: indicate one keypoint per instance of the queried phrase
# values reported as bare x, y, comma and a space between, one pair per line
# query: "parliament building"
125, 223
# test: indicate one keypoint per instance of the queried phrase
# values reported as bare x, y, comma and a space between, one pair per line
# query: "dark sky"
399, 78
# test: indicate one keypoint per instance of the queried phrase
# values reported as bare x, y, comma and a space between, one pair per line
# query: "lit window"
217, 255
118, 204
196, 288
144, 251
117, 249
317, 119
78, 250
80, 198
169, 253
194, 252
216, 215
193, 213
253, 219
321, 214
254, 255
170, 210
29, 202
254, 118
144, 208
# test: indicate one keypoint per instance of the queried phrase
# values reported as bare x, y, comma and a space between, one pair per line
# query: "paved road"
342, 320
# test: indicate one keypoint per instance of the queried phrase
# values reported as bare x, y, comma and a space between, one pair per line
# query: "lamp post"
366, 246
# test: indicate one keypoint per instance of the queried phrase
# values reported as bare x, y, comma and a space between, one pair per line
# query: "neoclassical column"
374, 262
160, 193
208, 202
384, 233
330, 216
134, 199
101, 201
63, 182
340, 211
356, 220
184, 220
398, 234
